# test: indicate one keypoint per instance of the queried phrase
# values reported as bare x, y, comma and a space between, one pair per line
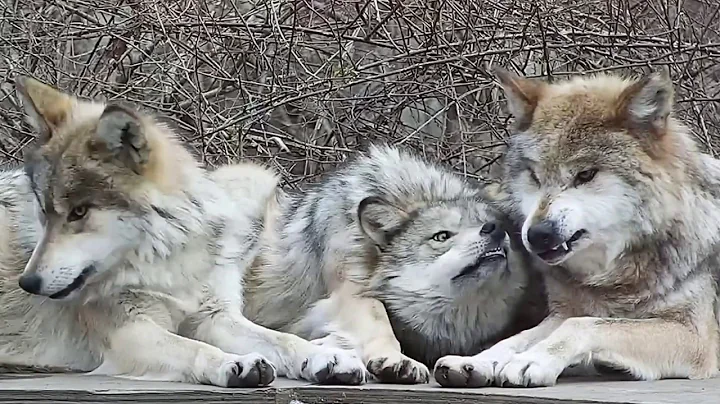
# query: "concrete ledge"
85, 389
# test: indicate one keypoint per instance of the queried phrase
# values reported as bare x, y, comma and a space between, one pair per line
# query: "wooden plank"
88, 389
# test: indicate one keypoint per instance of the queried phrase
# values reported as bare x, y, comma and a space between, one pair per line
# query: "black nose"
488, 228
542, 236
493, 230
31, 283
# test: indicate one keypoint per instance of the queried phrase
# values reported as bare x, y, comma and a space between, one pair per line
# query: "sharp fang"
565, 246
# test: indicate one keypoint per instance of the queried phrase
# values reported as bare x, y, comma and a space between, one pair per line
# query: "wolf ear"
379, 218
46, 107
522, 94
120, 137
648, 102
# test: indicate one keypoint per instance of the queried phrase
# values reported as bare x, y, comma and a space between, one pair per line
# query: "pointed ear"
379, 219
120, 137
648, 102
46, 107
522, 94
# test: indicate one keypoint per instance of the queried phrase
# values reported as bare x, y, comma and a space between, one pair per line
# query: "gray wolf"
396, 257
134, 256
611, 193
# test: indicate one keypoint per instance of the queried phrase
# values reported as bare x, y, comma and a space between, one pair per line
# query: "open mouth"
560, 251
492, 255
76, 284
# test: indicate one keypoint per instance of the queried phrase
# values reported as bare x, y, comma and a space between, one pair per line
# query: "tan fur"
637, 289
140, 256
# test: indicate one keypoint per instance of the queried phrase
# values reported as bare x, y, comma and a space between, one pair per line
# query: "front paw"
334, 366
397, 368
531, 370
471, 371
251, 370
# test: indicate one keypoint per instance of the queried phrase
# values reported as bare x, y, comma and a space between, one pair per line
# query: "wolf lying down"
137, 256
138, 263
610, 191
398, 258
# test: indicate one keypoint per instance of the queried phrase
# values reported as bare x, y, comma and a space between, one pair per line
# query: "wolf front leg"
294, 357
366, 322
141, 349
482, 369
649, 349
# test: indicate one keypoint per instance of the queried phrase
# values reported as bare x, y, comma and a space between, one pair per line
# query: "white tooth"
565, 246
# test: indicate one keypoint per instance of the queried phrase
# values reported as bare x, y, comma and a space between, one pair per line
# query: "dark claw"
447, 377
261, 374
327, 377
401, 373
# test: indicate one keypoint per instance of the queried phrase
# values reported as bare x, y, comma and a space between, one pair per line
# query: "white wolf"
133, 244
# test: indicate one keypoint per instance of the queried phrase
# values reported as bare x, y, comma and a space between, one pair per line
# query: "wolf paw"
334, 366
398, 369
531, 370
471, 371
250, 370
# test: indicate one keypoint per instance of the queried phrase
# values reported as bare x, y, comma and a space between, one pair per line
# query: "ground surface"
84, 389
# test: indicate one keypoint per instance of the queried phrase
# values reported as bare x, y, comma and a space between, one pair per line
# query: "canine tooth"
565, 246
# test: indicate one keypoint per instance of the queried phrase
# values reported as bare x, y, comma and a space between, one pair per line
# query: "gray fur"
632, 250
318, 243
134, 256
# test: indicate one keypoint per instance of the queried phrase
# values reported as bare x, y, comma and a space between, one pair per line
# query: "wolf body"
609, 190
134, 256
396, 257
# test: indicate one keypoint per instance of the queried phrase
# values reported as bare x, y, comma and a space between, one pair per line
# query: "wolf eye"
533, 176
77, 213
441, 236
585, 176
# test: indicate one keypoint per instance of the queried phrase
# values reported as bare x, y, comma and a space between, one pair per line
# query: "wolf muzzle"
543, 236
33, 283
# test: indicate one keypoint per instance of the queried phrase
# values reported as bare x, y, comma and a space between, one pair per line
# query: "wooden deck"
85, 389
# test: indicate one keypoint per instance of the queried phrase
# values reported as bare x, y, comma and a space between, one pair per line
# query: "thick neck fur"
171, 223
432, 325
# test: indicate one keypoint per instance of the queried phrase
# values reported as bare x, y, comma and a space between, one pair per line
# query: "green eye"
586, 176
441, 236
77, 213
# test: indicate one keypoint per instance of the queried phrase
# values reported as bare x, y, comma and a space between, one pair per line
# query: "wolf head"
92, 174
447, 248
590, 162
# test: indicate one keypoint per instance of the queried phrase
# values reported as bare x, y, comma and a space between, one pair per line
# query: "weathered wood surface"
88, 389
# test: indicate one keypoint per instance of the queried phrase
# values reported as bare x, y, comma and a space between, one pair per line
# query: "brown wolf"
611, 192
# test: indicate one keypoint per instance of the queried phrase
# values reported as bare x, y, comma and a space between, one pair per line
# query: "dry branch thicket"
303, 84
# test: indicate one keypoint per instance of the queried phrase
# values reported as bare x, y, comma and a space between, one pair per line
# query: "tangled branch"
303, 84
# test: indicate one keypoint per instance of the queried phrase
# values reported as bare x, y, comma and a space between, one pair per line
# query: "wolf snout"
31, 283
543, 236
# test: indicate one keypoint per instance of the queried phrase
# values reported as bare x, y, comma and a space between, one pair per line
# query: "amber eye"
77, 213
533, 176
586, 176
441, 236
